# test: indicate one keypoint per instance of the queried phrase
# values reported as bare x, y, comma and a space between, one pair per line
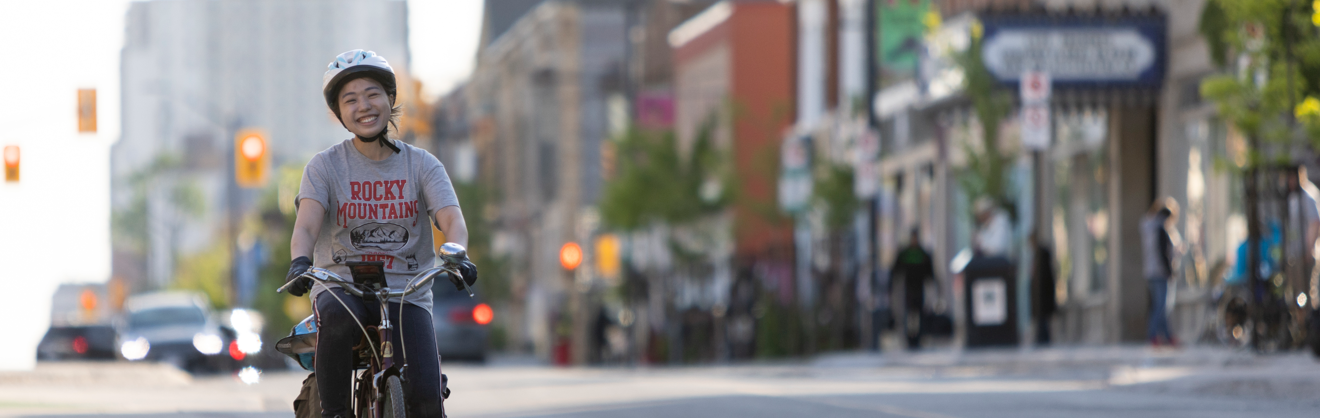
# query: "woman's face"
364, 107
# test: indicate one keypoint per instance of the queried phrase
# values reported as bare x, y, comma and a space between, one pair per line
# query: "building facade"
194, 72
538, 103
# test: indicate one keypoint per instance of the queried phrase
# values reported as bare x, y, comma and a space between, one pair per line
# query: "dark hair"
391, 90
1165, 212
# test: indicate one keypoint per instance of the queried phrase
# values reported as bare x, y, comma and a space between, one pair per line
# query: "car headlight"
208, 343
249, 342
135, 349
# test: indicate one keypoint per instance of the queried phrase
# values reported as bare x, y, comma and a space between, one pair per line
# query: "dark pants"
337, 334
1158, 325
915, 299
912, 328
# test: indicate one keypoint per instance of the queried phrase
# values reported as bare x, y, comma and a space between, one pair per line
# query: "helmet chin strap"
384, 141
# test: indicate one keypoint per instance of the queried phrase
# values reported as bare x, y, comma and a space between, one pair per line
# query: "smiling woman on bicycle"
370, 198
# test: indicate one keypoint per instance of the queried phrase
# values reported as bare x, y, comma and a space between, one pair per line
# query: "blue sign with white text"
1077, 51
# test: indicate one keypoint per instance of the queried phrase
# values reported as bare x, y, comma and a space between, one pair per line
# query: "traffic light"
87, 111
11, 163
251, 158
570, 255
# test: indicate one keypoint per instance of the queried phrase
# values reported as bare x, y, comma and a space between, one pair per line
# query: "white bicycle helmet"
354, 64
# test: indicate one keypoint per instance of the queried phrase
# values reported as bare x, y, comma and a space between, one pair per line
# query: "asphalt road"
1106, 382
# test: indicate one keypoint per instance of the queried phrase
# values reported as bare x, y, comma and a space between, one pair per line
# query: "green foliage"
130, 224
494, 282
779, 330
657, 183
276, 230
985, 172
207, 273
1214, 28
1276, 65
833, 190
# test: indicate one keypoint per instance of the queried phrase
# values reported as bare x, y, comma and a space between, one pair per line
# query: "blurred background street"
1107, 382
914, 208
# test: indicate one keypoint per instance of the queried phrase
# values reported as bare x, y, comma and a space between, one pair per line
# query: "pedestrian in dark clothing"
914, 267
1042, 288
1158, 247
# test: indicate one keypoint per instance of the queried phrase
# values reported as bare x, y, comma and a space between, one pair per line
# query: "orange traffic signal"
11, 163
251, 158
570, 255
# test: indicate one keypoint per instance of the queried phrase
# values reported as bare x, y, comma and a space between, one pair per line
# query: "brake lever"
463, 282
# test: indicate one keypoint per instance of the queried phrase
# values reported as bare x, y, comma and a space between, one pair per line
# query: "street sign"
1091, 52
87, 111
794, 154
866, 181
1035, 90
1035, 87
795, 174
251, 158
11, 163
1036, 126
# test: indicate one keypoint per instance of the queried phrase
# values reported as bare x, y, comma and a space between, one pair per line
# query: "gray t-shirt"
377, 211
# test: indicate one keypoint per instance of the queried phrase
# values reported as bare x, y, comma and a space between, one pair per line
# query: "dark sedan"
461, 323
81, 342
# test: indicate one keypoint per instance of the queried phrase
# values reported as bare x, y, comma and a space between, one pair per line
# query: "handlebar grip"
286, 286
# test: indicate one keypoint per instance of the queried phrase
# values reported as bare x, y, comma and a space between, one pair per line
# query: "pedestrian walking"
914, 267
1158, 247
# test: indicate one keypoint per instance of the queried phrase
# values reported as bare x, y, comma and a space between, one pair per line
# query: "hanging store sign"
1077, 51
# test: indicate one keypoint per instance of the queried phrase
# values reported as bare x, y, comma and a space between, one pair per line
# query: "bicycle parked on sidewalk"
378, 389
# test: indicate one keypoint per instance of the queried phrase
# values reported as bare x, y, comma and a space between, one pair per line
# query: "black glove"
296, 268
469, 272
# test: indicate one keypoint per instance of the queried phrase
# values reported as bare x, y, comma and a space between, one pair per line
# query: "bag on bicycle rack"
308, 402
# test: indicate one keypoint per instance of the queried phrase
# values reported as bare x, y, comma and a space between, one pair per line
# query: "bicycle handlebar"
323, 276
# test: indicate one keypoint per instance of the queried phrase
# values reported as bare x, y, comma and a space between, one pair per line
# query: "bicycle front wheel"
392, 398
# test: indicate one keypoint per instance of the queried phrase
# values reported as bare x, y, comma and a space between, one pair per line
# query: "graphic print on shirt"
340, 256
378, 236
412, 261
376, 201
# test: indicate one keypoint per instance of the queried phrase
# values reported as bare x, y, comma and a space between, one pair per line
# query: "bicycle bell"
452, 253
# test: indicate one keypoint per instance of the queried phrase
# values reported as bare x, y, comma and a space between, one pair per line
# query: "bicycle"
378, 390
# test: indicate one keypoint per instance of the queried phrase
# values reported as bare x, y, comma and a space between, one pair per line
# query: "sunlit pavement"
1089, 382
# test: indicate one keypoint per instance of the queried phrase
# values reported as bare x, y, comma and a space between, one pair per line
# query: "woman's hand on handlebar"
469, 272
296, 269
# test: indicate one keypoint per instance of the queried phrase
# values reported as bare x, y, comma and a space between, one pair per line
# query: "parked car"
461, 323
77, 342
177, 328
79, 325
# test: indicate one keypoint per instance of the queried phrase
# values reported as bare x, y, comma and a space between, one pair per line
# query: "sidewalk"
1058, 356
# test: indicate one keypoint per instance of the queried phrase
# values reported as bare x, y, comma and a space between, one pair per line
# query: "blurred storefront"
1127, 127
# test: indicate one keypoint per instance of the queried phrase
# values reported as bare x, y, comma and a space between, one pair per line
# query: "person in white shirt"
994, 235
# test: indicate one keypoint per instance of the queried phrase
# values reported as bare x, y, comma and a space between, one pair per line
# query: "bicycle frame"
380, 364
